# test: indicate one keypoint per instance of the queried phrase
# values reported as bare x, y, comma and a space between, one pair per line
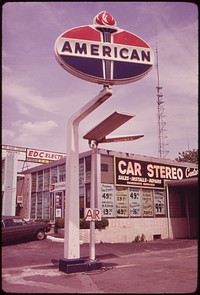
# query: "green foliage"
139, 239
189, 156
98, 224
59, 222
83, 223
102, 224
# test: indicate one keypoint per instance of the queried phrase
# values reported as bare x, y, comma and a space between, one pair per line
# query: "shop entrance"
57, 208
183, 205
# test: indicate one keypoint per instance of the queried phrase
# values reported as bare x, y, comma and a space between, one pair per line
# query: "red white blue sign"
103, 53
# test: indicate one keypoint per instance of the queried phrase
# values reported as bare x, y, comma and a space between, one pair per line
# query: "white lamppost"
71, 237
95, 136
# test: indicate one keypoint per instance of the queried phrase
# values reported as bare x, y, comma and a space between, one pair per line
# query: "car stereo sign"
131, 172
103, 53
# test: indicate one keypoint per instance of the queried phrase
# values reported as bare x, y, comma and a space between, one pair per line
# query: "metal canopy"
122, 138
107, 126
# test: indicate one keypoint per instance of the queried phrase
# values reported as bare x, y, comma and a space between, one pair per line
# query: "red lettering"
96, 214
30, 153
89, 214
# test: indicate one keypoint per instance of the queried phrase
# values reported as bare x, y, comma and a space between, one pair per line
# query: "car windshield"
8, 222
19, 221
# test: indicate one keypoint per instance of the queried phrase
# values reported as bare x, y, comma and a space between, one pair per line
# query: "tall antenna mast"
162, 145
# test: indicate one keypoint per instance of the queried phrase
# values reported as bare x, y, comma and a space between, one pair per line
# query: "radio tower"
162, 145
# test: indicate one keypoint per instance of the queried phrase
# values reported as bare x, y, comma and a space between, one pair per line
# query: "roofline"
111, 153
189, 181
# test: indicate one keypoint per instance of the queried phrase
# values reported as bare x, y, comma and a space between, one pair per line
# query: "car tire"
41, 235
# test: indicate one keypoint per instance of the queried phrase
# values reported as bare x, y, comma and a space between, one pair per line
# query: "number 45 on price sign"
92, 214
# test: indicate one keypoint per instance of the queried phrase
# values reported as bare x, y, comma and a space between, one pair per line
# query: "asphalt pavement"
160, 266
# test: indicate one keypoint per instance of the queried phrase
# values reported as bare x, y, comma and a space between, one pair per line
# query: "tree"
190, 156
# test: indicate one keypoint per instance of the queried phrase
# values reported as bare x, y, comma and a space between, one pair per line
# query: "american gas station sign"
103, 53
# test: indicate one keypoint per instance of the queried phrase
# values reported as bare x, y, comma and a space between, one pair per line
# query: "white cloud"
30, 133
38, 128
27, 97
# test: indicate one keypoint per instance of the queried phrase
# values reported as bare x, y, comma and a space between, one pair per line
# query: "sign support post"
71, 240
93, 146
108, 65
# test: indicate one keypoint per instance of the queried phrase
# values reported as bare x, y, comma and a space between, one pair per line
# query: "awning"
184, 182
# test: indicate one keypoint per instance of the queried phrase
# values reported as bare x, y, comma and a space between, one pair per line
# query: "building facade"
139, 194
15, 159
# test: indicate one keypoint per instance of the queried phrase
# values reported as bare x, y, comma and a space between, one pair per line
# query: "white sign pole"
93, 146
71, 240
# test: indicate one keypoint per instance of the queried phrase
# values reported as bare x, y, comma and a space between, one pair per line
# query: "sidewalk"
162, 266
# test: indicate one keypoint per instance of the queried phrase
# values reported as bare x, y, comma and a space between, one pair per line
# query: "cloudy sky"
39, 96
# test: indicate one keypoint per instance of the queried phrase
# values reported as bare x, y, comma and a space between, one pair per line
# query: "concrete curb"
54, 239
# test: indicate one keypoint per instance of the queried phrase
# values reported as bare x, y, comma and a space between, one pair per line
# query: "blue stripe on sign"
123, 70
89, 66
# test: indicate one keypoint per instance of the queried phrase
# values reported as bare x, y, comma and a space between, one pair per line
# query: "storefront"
132, 190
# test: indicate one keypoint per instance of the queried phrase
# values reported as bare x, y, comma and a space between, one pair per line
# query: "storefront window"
39, 205
81, 206
87, 169
46, 205
88, 164
88, 194
40, 181
33, 205
46, 179
61, 171
81, 172
51, 207
59, 204
54, 176
33, 182
177, 204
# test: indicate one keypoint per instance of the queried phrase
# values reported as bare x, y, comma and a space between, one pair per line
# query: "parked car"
15, 229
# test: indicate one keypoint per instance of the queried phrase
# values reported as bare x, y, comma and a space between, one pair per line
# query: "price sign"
159, 202
107, 200
147, 202
121, 202
134, 202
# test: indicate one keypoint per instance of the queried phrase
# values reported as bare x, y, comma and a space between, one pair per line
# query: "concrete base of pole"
78, 265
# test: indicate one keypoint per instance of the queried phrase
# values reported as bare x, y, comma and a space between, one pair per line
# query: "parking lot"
160, 266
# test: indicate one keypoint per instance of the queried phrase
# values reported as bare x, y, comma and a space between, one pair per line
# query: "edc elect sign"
131, 172
103, 53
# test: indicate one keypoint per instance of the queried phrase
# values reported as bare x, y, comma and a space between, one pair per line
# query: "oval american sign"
103, 53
